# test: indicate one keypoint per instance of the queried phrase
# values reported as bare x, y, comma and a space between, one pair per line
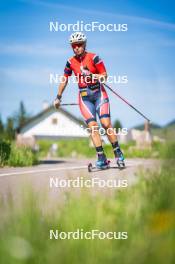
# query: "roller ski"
99, 165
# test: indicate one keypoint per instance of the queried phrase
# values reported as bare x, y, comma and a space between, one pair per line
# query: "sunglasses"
77, 45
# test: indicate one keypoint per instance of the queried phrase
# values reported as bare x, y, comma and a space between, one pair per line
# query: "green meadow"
146, 211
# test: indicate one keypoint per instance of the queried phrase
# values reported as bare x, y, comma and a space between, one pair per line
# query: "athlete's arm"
63, 84
64, 81
61, 88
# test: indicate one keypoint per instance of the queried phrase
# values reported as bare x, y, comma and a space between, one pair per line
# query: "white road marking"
44, 170
128, 164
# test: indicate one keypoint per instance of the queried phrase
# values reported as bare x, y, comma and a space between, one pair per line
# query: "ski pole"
124, 100
69, 104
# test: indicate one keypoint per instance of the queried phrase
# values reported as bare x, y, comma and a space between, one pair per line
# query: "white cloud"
136, 19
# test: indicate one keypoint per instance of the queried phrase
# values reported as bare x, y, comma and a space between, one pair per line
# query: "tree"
21, 117
1, 128
10, 130
14, 122
117, 124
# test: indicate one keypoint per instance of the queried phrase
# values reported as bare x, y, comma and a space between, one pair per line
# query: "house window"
54, 121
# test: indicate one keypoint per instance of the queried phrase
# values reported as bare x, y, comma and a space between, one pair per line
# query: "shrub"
44, 147
5, 149
22, 156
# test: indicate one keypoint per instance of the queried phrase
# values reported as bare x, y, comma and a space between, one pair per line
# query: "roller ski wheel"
90, 167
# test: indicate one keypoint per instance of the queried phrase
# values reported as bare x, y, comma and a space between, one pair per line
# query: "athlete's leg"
103, 110
88, 111
102, 162
110, 131
95, 136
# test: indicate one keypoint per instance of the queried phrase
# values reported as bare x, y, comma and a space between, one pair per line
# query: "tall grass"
5, 149
22, 156
11, 155
146, 211
80, 148
67, 148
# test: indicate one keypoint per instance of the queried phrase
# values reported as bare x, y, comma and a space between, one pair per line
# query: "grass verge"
146, 211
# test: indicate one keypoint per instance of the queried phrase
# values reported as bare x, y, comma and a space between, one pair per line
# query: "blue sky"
29, 52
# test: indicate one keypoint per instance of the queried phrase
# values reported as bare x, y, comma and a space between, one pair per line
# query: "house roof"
51, 109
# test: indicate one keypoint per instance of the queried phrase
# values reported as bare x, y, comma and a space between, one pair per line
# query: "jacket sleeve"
67, 69
99, 64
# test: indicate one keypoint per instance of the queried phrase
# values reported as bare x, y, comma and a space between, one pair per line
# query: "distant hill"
172, 123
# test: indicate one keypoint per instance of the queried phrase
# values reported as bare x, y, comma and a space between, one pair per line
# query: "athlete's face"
78, 48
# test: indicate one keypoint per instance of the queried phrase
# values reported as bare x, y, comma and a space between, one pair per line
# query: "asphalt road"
60, 176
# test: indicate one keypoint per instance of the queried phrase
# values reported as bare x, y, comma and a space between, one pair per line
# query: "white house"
52, 124
60, 124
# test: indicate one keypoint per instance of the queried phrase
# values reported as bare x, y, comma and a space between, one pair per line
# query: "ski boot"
102, 163
120, 158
